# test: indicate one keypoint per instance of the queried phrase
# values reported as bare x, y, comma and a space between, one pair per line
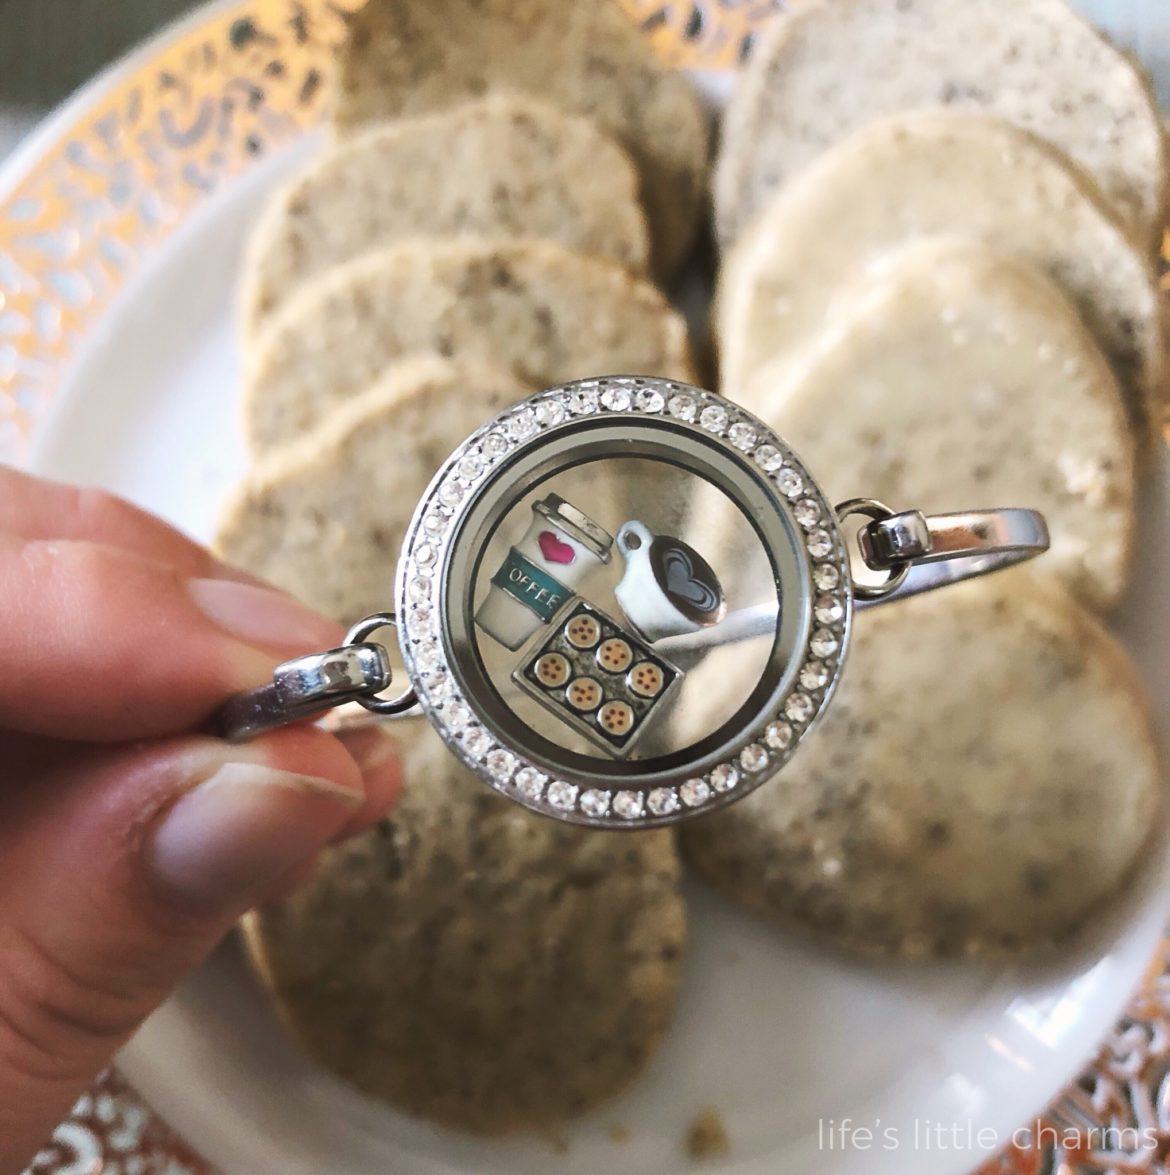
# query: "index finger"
36, 508
101, 644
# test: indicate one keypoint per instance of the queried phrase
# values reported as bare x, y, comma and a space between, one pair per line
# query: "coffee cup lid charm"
638, 691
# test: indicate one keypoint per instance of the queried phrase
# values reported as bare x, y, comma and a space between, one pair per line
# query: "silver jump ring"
896, 571
391, 707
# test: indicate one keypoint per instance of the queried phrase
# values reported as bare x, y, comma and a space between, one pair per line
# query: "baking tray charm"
597, 676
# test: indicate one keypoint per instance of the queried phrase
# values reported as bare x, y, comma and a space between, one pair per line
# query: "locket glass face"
622, 601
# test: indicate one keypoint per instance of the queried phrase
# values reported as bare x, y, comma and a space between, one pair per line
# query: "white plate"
787, 1042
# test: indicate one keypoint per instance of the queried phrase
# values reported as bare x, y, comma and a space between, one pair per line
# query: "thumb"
120, 869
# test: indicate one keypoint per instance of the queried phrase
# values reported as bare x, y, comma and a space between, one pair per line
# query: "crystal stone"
428, 657
456, 715
616, 399
826, 577
829, 609
695, 792
649, 400
470, 467
595, 802
562, 795
501, 764
451, 493
769, 458
778, 736
724, 777
530, 782
477, 742
820, 543
662, 801
683, 407
790, 483
522, 425
628, 804
823, 643
583, 402
495, 444
549, 412
799, 708
714, 418
807, 513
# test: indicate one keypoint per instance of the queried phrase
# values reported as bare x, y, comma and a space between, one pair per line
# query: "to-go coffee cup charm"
668, 588
541, 572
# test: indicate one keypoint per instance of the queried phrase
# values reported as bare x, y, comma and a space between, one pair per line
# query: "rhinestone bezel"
651, 799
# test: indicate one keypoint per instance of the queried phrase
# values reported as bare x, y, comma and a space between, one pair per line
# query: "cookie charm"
596, 690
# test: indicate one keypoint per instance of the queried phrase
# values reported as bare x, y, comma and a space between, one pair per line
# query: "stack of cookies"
506, 182
938, 226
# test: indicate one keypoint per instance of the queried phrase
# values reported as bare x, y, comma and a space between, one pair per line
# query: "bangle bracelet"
625, 601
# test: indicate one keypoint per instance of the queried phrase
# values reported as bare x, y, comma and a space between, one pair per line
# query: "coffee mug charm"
625, 601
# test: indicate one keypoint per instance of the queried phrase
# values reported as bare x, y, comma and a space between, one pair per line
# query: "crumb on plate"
707, 1136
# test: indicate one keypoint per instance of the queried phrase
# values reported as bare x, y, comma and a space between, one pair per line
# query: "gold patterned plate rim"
71, 239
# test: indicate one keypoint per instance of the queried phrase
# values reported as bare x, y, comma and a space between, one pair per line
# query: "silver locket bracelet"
625, 601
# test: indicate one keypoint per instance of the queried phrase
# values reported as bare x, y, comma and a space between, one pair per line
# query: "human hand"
129, 842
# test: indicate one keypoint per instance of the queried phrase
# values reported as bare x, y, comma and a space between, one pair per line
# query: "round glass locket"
623, 601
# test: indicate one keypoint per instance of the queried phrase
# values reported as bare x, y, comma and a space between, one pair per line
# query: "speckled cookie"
505, 167
832, 66
961, 375
922, 175
476, 964
324, 517
406, 57
985, 779
544, 312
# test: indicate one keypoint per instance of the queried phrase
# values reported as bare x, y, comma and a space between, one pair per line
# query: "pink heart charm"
553, 549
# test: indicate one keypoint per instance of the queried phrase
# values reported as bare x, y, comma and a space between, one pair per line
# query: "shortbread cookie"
406, 57
927, 174
506, 167
963, 376
984, 780
832, 66
324, 517
477, 964
544, 312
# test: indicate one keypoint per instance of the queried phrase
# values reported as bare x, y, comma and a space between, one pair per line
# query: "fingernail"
261, 616
237, 574
229, 838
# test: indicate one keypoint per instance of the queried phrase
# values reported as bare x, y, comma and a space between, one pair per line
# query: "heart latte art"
687, 579
681, 584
